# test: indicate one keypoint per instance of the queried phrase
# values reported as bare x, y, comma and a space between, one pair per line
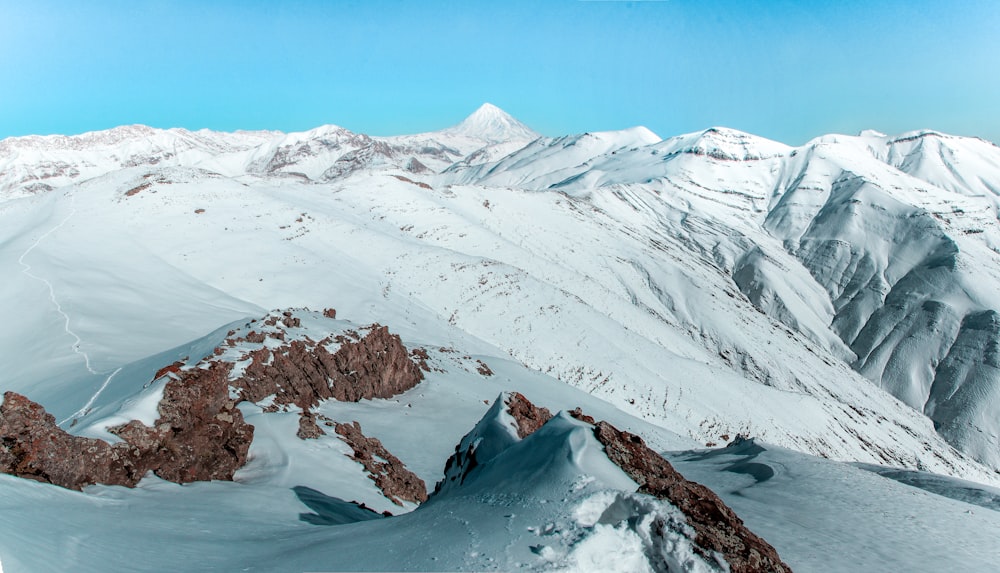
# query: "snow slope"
618, 263
837, 299
550, 502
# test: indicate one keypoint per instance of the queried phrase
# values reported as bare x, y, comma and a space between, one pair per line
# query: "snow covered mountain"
836, 299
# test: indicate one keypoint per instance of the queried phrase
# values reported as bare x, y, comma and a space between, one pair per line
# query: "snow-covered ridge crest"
726, 144
829, 247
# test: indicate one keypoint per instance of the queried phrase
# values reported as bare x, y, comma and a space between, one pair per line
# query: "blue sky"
781, 69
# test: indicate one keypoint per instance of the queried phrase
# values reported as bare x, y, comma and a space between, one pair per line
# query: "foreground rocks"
717, 527
200, 433
389, 474
528, 416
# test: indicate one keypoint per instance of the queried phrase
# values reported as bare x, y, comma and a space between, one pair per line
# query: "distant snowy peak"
492, 124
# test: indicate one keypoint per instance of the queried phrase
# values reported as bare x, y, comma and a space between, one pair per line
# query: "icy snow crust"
838, 299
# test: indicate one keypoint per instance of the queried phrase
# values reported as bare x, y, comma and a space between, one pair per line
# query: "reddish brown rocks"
289, 320
420, 354
330, 313
256, 337
376, 365
528, 416
717, 527
420, 184
33, 447
389, 474
308, 428
200, 435
138, 188
170, 369
483, 369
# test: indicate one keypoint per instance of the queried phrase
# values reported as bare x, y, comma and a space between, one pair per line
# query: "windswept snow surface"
838, 299
827, 516
550, 502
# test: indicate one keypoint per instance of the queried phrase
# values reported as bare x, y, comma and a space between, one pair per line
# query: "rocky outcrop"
386, 470
200, 435
375, 365
308, 428
528, 416
717, 527
493, 434
33, 447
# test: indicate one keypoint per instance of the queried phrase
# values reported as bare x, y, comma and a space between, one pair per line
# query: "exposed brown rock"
34, 447
376, 365
391, 476
289, 320
528, 416
717, 527
330, 313
483, 368
308, 428
200, 435
420, 184
170, 369
421, 355
415, 166
138, 188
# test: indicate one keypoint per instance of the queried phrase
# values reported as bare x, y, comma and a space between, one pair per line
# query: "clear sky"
788, 70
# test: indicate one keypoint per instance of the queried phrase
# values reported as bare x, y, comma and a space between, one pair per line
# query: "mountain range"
747, 307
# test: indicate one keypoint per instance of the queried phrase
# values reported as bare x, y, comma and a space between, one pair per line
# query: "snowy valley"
811, 332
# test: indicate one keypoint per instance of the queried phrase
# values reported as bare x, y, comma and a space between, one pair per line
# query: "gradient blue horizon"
785, 70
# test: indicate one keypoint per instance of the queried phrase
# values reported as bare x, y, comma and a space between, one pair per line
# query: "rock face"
308, 428
718, 528
389, 474
200, 433
528, 416
375, 365
34, 447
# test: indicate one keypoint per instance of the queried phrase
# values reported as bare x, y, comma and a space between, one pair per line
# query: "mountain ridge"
826, 239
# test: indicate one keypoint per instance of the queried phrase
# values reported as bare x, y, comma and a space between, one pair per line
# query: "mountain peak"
492, 124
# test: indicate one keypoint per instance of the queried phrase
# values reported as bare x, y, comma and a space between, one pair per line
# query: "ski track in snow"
52, 293
90, 403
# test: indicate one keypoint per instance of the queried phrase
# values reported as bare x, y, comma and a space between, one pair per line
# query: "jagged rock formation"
718, 527
200, 433
308, 428
375, 365
528, 416
33, 447
389, 474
